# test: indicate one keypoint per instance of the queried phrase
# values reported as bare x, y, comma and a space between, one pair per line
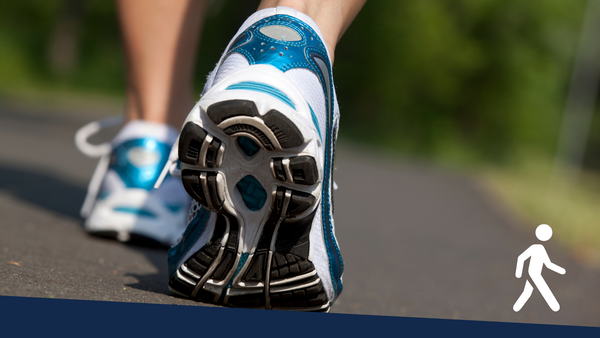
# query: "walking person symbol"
539, 258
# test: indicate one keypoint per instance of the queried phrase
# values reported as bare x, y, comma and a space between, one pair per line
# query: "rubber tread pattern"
203, 259
308, 297
286, 132
193, 186
291, 249
288, 135
221, 111
211, 154
200, 261
303, 168
252, 130
190, 144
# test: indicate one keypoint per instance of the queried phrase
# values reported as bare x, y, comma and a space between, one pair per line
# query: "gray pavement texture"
417, 241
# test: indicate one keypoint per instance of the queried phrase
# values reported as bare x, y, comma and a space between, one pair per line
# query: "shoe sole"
105, 221
276, 273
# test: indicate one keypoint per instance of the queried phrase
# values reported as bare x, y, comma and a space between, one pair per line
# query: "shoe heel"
277, 274
273, 131
199, 148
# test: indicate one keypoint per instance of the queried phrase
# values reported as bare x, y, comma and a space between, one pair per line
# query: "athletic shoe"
121, 202
257, 157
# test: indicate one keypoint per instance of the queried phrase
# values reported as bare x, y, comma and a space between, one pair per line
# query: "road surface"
417, 240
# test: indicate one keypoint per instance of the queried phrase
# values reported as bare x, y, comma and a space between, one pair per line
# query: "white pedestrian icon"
539, 258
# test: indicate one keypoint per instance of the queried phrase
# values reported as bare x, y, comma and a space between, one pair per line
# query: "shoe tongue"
138, 129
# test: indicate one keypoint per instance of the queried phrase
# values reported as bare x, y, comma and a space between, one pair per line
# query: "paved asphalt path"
417, 241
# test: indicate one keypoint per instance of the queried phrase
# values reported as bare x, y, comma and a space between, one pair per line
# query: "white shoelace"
171, 165
102, 150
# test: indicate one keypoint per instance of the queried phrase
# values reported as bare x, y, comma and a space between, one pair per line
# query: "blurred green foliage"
463, 80
26, 31
458, 80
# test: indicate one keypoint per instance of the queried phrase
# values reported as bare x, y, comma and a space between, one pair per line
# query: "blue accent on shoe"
253, 194
249, 147
284, 55
190, 236
242, 261
315, 121
310, 53
135, 211
174, 207
139, 162
263, 88
102, 195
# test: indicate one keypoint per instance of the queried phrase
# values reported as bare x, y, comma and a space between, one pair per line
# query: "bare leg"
523, 297
332, 16
160, 39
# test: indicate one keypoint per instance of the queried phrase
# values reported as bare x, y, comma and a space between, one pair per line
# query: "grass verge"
571, 208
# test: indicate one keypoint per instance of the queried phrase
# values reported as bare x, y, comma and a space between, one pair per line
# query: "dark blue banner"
27, 317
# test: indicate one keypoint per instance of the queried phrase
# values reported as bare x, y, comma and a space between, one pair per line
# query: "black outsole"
221, 111
197, 183
289, 279
300, 170
193, 141
286, 132
278, 274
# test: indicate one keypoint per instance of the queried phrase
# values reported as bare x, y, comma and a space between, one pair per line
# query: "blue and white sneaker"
257, 157
121, 202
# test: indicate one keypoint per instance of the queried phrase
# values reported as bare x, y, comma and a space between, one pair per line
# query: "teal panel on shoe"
139, 162
253, 194
263, 88
103, 194
249, 147
241, 263
135, 211
174, 207
188, 239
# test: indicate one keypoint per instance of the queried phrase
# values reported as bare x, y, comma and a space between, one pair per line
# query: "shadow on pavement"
157, 282
60, 196
44, 190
